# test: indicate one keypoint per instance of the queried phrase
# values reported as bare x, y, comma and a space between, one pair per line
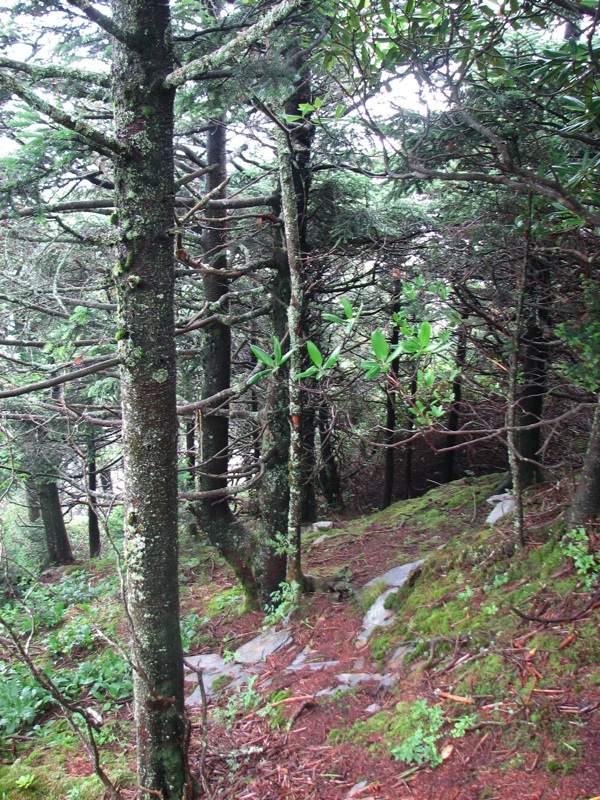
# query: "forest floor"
482, 705
487, 705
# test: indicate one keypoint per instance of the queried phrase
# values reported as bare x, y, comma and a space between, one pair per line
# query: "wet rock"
262, 646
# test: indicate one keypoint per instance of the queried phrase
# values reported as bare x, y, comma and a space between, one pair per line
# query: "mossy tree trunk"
271, 561
225, 531
144, 275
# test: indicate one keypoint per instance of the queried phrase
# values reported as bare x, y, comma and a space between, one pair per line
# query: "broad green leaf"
333, 357
277, 350
346, 305
333, 318
262, 355
314, 353
379, 345
424, 334
259, 375
307, 373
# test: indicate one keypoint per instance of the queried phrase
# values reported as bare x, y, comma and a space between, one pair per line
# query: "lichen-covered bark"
289, 210
144, 276
271, 564
233, 540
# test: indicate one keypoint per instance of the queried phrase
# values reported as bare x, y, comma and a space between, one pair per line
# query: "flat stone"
332, 691
355, 678
399, 655
359, 664
233, 672
320, 539
208, 662
397, 576
262, 646
503, 505
373, 708
378, 616
319, 665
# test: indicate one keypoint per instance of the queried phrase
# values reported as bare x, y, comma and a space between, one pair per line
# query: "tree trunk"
453, 420
232, 539
390, 410
530, 400
57, 540
274, 491
33, 501
408, 449
145, 277
586, 504
92, 486
329, 474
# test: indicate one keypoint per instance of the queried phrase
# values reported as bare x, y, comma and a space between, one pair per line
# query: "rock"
324, 525
262, 646
213, 669
357, 789
399, 655
353, 679
376, 617
359, 664
332, 692
503, 505
319, 665
397, 576
320, 539
387, 682
373, 708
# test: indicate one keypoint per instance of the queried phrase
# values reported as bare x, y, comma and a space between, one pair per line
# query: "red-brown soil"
248, 760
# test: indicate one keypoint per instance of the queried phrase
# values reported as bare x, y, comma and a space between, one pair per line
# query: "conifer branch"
39, 72
106, 23
69, 376
233, 49
107, 145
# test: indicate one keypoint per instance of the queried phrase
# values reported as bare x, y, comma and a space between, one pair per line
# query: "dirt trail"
249, 760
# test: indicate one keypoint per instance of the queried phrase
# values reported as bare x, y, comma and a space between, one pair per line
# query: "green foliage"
576, 545
21, 698
273, 363
189, 629
242, 701
283, 603
425, 723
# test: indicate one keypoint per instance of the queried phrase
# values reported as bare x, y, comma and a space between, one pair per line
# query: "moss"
121, 334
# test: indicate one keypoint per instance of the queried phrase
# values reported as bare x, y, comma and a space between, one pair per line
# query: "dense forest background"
264, 263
